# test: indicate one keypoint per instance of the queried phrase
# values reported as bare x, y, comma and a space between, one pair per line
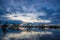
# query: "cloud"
30, 10
28, 17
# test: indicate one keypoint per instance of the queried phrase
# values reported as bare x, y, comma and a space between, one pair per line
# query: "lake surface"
34, 34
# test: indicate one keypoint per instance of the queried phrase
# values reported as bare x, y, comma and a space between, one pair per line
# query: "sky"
30, 11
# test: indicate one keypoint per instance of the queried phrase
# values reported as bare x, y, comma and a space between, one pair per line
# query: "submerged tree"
15, 26
4, 28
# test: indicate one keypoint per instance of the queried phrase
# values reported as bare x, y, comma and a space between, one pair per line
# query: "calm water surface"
34, 34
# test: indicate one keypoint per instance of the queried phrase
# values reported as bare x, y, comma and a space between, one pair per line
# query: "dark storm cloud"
16, 5
4, 4
50, 7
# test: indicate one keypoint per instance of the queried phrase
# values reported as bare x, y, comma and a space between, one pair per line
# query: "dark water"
54, 36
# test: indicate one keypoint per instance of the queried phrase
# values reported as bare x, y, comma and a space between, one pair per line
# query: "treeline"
55, 27
29, 26
16, 26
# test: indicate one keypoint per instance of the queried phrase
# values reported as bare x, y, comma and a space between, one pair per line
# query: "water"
34, 34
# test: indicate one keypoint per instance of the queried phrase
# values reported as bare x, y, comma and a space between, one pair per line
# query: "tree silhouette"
4, 28
15, 26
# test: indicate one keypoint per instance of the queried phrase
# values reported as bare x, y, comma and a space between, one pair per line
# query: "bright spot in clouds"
28, 17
